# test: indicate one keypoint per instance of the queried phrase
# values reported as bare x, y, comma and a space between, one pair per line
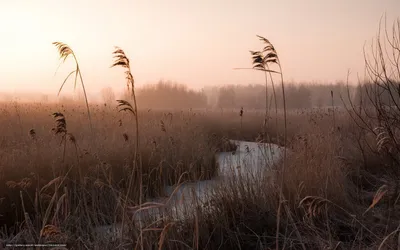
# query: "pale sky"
192, 42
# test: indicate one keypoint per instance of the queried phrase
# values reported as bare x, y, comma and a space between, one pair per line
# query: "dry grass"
327, 185
338, 188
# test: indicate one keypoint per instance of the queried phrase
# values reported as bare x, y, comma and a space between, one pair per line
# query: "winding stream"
250, 160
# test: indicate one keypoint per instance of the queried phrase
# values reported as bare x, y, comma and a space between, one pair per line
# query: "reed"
65, 51
123, 61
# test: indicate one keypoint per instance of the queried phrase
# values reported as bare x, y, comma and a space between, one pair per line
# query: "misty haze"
200, 124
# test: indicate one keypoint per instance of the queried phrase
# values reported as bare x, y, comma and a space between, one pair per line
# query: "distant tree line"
372, 94
166, 95
169, 95
298, 96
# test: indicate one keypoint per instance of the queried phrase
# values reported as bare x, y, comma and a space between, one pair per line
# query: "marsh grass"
65, 51
195, 139
123, 61
107, 159
262, 61
336, 188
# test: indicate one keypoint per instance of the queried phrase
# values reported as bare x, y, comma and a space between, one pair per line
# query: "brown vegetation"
340, 181
339, 165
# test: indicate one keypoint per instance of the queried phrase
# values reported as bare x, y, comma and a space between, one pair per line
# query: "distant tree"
227, 97
212, 96
303, 97
170, 95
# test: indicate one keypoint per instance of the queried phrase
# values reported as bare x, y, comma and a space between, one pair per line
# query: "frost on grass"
250, 160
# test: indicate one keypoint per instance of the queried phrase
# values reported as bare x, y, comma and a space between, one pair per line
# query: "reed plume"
123, 61
65, 51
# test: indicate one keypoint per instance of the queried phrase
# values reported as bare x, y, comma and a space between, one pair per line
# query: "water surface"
250, 160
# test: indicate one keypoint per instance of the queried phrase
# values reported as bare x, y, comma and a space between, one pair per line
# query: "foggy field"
168, 167
340, 164
226, 151
204, 169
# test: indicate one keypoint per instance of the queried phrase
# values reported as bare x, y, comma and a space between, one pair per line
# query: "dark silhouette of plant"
61, 129
261, 61
378, 109
65, 51
123, 61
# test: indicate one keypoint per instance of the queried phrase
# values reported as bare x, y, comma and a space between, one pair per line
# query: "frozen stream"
250, 160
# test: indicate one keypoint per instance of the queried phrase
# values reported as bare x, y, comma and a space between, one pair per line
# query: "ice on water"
251, 159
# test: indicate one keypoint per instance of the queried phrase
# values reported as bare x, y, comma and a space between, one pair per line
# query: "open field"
108, 175
330, 179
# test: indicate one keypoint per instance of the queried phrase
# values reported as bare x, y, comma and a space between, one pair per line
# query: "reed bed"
338, 188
